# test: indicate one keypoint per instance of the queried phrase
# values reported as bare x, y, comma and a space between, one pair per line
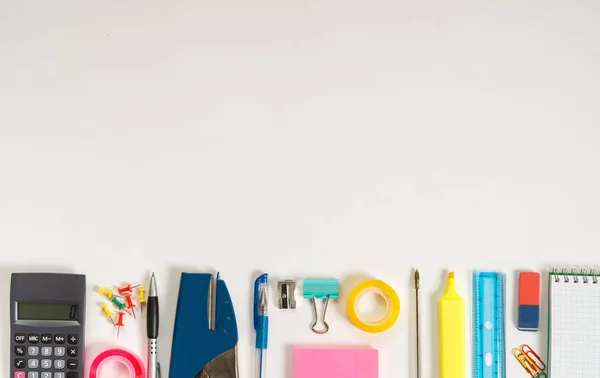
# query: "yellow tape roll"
389, 296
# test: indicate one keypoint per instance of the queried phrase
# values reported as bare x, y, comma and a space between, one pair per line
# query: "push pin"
107, 313
120, 305
108, 293
130, 304
126, 289
141, 298
120, 322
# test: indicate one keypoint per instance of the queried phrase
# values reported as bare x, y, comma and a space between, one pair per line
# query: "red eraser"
529, 288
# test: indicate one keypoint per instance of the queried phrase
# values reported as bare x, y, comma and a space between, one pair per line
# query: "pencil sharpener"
286, 291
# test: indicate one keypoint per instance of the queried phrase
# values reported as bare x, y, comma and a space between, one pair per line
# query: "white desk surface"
304, 138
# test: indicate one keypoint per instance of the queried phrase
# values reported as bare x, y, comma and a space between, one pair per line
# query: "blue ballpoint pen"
261, 322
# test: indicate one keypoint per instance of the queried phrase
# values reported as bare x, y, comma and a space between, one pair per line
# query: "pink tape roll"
133, 362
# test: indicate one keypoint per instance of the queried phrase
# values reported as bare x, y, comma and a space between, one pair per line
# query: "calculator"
47, 324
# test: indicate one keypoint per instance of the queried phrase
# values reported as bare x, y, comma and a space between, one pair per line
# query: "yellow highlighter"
452, 332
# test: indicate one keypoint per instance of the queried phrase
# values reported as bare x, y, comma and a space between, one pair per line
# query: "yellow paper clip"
530, 360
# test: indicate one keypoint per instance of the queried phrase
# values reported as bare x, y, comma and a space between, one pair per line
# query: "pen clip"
158, 370
261, 281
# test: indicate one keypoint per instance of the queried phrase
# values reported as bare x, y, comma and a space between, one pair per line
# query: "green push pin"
120, 305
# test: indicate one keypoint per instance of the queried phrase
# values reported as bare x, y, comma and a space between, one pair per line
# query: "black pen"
152, 329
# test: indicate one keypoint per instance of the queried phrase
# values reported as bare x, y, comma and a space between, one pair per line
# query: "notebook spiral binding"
575, 276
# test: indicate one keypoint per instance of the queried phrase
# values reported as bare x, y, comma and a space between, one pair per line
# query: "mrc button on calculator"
47, 324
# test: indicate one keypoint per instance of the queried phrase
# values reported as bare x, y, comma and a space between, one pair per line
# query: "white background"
303, 138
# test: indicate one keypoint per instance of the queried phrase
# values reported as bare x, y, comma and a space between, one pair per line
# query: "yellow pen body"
452, 333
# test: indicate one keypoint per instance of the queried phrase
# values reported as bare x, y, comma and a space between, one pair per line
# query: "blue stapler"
205, 336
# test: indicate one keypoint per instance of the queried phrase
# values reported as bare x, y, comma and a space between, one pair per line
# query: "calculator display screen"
46, 311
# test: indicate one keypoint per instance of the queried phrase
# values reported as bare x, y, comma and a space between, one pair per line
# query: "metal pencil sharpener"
286, 290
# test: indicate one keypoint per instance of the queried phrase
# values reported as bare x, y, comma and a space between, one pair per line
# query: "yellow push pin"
108, 293
141, 298
107, 313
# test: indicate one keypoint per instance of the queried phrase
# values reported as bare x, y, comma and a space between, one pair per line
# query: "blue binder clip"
322, 288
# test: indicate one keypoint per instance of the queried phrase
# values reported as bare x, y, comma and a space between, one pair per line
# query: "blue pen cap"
261, 316
260, 285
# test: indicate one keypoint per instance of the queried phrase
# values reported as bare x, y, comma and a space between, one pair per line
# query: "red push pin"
120, 322
126, 289
130, 304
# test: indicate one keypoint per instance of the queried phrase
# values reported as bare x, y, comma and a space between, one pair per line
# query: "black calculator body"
47, 324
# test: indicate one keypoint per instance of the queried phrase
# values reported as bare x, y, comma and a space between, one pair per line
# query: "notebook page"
574, 328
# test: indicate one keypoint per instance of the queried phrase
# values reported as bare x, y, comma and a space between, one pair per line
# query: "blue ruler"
488, 347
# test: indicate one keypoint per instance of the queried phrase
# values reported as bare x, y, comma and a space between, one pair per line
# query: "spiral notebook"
574, 324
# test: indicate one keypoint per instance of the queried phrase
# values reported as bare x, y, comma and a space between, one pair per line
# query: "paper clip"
534, 357
530, 360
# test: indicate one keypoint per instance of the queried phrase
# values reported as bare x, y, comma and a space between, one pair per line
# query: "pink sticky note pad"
336, 363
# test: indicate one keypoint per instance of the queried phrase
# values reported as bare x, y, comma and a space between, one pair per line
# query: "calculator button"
59, 338
20, 350
33, 363
46, 338
20, 338
19, 374
33, 374
33, 351
19, 363
46, 374
72, 375
59, 364
73, 339
59, 351
33, 338
46, 364
72, 351
72, 364
46, 351
59, 375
